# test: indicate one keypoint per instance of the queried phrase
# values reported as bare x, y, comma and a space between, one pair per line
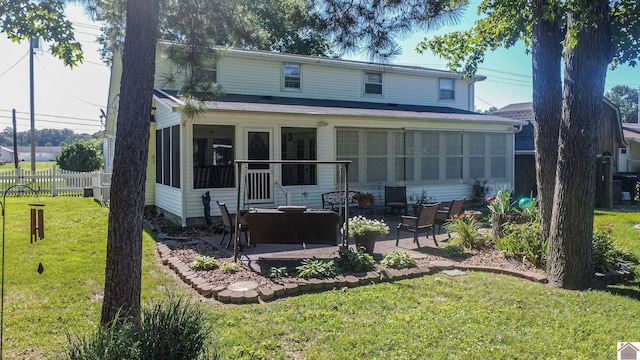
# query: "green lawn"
478, 316
40, 165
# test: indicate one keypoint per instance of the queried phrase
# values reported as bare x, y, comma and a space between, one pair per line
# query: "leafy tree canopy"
626, 99
44, 137
24, 20
80, 155
507, 22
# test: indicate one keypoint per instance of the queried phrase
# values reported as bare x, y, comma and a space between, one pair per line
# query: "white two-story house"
399, 125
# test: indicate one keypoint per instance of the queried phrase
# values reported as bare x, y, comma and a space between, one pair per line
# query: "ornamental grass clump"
359, 225
466, 227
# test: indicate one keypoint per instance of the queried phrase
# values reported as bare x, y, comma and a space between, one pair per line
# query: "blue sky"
72, 98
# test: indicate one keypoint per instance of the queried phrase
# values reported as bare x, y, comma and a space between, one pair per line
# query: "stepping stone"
454, 272
243, 286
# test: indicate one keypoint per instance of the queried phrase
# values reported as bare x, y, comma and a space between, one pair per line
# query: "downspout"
183, 166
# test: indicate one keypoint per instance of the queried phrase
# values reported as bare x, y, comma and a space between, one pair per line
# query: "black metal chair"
424, 221
228, 222
395, 197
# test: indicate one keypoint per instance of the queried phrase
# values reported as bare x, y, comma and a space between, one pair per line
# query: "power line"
53, 116
14, 65
67, 91
75, 125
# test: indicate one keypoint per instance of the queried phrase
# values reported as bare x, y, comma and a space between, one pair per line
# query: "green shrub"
277, 272
230, 267
204, 263
357, 261
316, 269
453, 250
606, 254
172, 330
398, 260
523, 241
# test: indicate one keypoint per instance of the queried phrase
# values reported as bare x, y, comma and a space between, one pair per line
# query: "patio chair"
448, 212
228, 224
424, 221
395, 197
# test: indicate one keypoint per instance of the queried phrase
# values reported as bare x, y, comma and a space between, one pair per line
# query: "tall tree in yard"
124, 244
597, 33
587, 55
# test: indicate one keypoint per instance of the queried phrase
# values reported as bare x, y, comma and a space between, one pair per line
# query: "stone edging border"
224, 295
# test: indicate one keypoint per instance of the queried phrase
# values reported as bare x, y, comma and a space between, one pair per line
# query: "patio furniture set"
299, 225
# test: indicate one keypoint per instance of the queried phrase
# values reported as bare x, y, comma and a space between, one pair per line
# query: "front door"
259, 178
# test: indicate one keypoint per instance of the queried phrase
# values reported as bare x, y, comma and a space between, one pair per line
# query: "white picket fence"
56, 182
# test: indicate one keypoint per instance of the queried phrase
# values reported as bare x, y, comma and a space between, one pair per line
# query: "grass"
40, 165
479, 315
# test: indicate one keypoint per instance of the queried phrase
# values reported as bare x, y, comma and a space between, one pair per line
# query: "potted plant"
420, 199
364, 199
365, 231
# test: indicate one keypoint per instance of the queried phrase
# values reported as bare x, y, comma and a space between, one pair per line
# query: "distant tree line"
44, 137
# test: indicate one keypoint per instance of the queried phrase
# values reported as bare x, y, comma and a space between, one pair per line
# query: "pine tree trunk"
124, 243
547, 105
569, 262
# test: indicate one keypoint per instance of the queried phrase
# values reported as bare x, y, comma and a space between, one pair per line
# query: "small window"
447, 89
292, 76
373, 83
207, 72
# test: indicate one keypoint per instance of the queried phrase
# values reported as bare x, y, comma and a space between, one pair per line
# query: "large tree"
596, 33
124, 243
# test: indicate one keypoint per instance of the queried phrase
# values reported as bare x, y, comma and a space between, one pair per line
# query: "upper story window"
447, 89
207, 72
372, 83
292, 77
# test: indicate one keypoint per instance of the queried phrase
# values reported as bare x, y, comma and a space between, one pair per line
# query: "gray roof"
285, 105
525, 139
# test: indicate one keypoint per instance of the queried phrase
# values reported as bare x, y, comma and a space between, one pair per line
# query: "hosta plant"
316, 269
398, 260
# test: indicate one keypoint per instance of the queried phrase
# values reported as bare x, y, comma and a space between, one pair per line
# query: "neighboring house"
6, 155
630, 157
610, 143
43, 153
399, 125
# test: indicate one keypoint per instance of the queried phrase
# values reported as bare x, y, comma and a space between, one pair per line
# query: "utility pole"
15, 139
33, 120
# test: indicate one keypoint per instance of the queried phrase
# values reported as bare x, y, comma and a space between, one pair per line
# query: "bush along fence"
57, 182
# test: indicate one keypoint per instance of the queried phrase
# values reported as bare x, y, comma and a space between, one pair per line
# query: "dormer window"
447, 89
372, 83
292, 78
